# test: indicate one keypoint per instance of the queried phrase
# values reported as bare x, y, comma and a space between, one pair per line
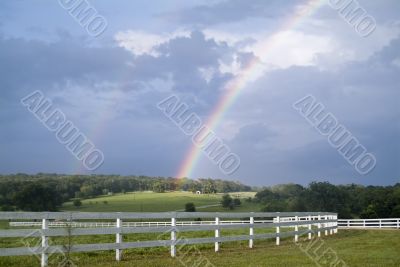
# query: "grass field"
366, 248
149, 201
372, 248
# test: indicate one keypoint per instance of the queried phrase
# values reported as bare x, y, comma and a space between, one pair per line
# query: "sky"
238, 65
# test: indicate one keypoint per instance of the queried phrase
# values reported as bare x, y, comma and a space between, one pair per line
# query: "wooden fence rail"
324, 222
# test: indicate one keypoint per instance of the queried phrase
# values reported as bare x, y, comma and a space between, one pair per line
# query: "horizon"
204, 178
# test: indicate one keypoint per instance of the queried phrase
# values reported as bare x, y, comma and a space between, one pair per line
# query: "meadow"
158, 202
366, 248
358, 248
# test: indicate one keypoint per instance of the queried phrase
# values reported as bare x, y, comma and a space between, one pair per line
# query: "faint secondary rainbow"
234, 87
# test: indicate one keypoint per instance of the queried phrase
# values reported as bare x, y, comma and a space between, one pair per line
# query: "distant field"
358, 248
153, 202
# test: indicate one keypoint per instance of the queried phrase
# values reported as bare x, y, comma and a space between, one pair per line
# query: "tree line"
47, 192
349, 201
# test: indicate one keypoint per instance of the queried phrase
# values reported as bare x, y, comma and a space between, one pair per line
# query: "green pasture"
364, 248
158, 202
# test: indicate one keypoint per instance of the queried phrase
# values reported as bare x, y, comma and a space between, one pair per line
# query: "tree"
77, 203
323, 196
190, 207
226, 201
37, 197
369, 213
396, 212
274, 206
209, 187
237, 202
296, 204
159, 187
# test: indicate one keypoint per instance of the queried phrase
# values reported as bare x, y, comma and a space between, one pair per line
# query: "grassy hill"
153, 202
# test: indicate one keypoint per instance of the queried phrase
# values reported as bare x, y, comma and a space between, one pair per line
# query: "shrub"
77, 203
190, 207
226, 201
237, 202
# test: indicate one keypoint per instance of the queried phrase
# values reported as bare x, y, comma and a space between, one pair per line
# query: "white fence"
369, 223
342, 223
55, 224
71, 224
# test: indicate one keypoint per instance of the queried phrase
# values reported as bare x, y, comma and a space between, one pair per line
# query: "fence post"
336, 225
44, 257
319, 225
296, 229
118, 240
173, 237
309, 227
398, 223
330, 225
251, 232
380, 223
277, 231
325, 224
364, 223
216, 234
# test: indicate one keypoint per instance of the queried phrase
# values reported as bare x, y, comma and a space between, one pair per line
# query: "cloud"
110, 88
276, 143
110, 93
141, 43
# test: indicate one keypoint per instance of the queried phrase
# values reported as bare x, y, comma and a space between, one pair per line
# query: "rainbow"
234, 87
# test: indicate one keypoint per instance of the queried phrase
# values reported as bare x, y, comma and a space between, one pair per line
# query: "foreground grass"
365, 248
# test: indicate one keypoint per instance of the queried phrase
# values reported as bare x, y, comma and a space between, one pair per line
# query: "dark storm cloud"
31, 63
112, 93
363, 96
57, 67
